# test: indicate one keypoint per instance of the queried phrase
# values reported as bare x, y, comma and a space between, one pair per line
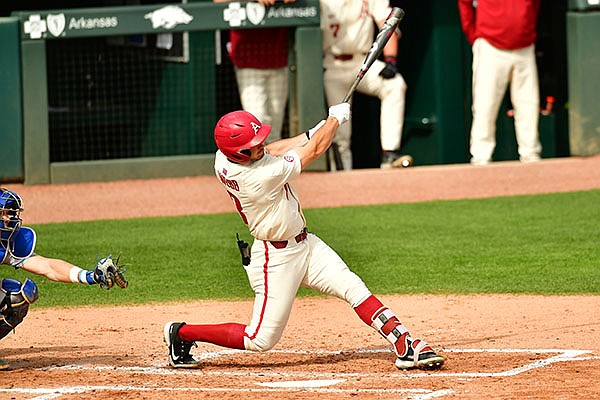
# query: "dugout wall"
583, 32
11, 144
132, 92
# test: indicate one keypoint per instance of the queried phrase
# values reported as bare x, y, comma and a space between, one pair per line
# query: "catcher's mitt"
108, 273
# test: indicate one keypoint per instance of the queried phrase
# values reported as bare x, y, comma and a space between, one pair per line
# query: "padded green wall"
11, 134
583, 34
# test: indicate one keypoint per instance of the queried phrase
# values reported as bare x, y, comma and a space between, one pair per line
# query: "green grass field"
543, 244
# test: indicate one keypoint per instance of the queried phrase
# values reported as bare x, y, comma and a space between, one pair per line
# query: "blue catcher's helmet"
11, 206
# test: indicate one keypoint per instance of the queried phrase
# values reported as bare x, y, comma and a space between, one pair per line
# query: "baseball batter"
284, 255
348, 28
17, 249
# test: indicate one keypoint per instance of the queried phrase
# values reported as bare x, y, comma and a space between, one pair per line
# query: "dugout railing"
171, 135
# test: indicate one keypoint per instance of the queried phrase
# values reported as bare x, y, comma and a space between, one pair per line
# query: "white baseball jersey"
348, 25
265, 200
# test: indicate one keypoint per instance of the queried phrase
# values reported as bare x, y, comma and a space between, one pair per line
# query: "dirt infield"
501, 346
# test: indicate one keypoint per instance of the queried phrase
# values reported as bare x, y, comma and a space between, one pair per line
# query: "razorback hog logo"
168, 17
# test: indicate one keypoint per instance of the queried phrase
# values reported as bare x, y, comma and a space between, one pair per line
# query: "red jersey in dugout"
264, 48
506, 24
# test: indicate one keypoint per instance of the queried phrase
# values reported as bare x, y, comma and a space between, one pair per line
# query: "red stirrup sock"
229, 335
384, 321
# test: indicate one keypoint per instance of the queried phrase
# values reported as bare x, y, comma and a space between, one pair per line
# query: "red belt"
344, 57
282, 244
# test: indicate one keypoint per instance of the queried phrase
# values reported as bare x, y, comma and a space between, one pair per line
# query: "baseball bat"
390, 25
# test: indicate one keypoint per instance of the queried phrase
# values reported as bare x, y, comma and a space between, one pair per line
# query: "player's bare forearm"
52, 268
467, 19
319, 143
391, 47
282, 146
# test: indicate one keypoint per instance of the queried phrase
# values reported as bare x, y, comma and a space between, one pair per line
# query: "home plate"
301, 384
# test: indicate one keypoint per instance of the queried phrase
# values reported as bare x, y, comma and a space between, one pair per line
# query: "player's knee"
15, 299
394, 87
399, 82
357, 293
262, 343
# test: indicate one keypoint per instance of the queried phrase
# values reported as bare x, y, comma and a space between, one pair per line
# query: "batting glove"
341, 112
390, 70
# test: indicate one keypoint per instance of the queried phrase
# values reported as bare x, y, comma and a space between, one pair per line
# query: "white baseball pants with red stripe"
275, 276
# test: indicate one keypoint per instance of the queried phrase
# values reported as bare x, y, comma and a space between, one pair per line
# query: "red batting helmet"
238, 131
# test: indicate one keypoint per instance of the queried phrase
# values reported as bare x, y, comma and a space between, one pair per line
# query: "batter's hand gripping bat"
390, 25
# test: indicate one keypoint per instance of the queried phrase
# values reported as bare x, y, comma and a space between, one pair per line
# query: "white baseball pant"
275, 276
493, 69
264, 93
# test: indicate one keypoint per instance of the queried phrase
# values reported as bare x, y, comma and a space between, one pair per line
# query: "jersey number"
334, 29
238, 207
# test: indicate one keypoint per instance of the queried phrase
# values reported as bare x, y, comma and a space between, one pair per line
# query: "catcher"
17, 245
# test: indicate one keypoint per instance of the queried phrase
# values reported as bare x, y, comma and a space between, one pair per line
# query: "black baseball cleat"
419, 355
179, 350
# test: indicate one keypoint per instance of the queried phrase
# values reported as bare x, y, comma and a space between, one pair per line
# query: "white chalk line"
52, 393
561, 355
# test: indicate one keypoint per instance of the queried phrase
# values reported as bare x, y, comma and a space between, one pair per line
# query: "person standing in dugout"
17, 249
502, 35
284, 255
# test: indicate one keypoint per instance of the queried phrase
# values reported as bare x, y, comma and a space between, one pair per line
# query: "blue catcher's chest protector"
20, 247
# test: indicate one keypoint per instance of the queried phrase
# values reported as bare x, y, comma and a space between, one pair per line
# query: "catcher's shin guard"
15, 299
